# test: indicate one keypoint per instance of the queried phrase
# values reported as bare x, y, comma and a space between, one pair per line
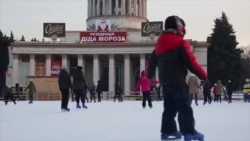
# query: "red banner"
115, 37
56, 66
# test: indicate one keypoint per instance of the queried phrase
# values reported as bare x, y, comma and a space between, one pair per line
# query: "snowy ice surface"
113, 121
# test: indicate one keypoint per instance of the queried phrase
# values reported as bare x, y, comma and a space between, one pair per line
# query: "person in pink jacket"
143, 82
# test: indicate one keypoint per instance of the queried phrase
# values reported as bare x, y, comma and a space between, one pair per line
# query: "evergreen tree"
224, 59
12, 36
22, 39
3, 37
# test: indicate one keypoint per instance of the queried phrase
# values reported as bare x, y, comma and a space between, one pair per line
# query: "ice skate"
67, 109
84, 106
78, 106
171, 136
196, 136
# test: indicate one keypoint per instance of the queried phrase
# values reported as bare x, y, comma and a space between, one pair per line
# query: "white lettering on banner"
101, 34
88, 39
115, 39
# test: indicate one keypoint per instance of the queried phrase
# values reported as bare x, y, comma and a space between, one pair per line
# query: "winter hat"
175, 24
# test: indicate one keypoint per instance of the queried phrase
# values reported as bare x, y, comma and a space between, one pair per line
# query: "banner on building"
103, 25
56, 66
109, 37
40, 68
149, 28
54, 29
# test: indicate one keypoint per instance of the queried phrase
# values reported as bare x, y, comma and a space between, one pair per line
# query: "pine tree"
12, 37
224, 59
22, 39
3, 37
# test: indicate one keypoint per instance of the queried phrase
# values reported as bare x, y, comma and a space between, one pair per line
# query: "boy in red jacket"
173, 57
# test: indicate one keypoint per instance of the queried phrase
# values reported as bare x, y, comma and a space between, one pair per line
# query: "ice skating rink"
113, 121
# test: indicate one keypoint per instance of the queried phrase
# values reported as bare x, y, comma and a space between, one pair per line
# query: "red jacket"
144, 83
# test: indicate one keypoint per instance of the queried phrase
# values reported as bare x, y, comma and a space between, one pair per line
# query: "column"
111, 74
48, 64
140, 8
32, 65
103, 7
89, 8
127, 74
98, 8
116, 7
145, 8
15, 69
96, 72
135, 8
93, 8
123, 7
142, 62
110, 7
64, 61
129, 7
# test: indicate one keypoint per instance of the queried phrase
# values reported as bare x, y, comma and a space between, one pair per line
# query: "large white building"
113, 47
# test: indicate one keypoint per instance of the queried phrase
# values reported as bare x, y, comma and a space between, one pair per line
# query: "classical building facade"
117, 57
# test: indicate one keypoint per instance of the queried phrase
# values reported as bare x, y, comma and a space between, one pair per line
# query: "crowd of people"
173, 57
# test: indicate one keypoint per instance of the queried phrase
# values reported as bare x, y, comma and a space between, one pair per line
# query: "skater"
219, 90
143, 82
32, 91
246, 90
206, 92
4, 62
79, 86
118, 92
99, 90
173, 57
92, 91
193, 86
8, 95
229, 89
64, 83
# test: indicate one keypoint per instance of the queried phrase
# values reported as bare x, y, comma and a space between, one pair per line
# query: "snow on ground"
113, 121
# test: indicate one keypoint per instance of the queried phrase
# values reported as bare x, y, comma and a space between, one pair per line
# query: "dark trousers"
230, 97
146, 97
79, 94
9, 97
2, 83
30, 98
92, 97
65, 98
118, 97
217, 98
176, 100
195, 96
207, 98
99, 96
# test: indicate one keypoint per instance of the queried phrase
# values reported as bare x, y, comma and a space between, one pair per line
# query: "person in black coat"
206, 91
79, 87
229, 89
64, 83
4, 62
99, 90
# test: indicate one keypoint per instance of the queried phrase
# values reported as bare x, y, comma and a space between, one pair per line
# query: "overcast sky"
26, 17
